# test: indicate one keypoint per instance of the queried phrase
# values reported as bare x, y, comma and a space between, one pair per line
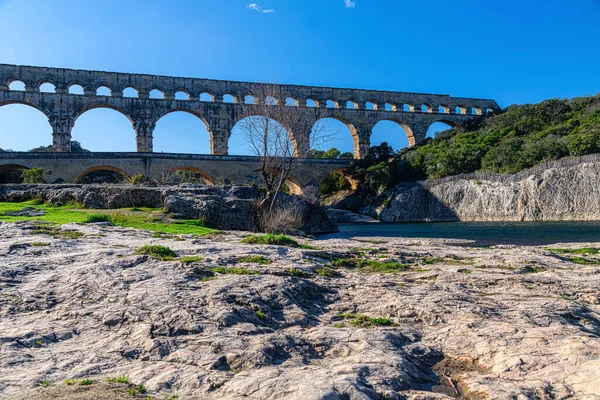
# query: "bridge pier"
62, 124
144, 138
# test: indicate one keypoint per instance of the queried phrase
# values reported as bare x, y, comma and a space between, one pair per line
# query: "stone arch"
182, 110
103, 90
182, 95
237, 148
31, 123
207, 96
397, 140
95, 121
351, 128
436, 126
195, 170
291, 101
156, 93
352, 104
102, 105
100, 168
46, 87
294, 185
75, 87
231, 98
130, 92
11, 173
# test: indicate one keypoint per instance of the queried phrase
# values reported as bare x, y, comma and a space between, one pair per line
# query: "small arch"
476, 111
294, 185
291, 102
229, 98
47, 87
331, 104
11, 173
16, 85
181, 95
156, 94
130, 92
205, 96
96, 175
390, 107
352, 105
271, 101
338, 139
488, 111
460, 110
371, 106
312, 103
75, 88
103, 91
444, 109
189, 174
394, 132
407, 108
249, 99
426, 108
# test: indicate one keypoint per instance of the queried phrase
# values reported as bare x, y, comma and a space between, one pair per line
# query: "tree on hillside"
75, 148
268, 129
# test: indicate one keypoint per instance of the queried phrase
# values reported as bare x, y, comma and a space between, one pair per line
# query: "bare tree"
279, 134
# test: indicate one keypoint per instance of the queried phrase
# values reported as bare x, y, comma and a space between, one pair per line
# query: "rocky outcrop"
556, 194
453, 322
223, 207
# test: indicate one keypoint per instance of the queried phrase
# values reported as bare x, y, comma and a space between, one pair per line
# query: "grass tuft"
374, 266
261, 315
362, 321
254, 260
532, 269
161, 252
190, 259
46, 383
270, 239
583, 251
69, 382
118, 379
86, 382
234, 271
94, 218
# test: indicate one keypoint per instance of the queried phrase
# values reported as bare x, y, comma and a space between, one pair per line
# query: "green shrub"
234, 271
33, 175
254, 260
118, 379
374, 266
137, 179
160, 252
270, 239
334, 183
93, 218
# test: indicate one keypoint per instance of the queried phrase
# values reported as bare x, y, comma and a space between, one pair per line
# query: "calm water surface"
484, 233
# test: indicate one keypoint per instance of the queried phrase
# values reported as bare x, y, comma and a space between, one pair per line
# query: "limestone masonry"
415, 112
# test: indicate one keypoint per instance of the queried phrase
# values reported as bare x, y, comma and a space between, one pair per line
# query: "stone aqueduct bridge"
359, 110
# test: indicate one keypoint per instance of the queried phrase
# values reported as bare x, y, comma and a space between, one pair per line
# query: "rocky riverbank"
555, 194
346, 319
228, 207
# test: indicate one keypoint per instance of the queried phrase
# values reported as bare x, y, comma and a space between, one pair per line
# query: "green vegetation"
70, 382
51, 230
254, 260
583, 261
39, 343
374, 266
465, 271
532, 269
334, 183
137, 390
327, 272
138, 179
40, 244
261, 315
86, 382
234, 271
145, 218
161, 252
75, 148
33, 175
331, 153
583, 251
46, 383
118, 379
296, 272
520, 137
362, 321
93, 218
270, 239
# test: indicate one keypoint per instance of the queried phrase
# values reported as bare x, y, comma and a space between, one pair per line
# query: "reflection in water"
484, 233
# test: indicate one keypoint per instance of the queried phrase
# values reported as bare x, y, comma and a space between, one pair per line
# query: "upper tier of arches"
206, 90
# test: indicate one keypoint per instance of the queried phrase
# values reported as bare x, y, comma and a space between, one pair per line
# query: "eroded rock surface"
503, 323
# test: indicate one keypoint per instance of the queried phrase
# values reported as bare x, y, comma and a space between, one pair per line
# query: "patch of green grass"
362, 321
296, 272
118, 379
70, 382
432, 260
46, 383
374, 266
583, 251
261, 315
532, 269
86, 382
269, 239
94, 218
234, 271
190, 259
339, 325
308, 247
254, 260
50, 230
583, 261
161, 252
39, 343
327, 272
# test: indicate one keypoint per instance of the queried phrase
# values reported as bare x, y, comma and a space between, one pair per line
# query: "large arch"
439, 126
188, 127
336, 130
193, 172
102, 127
242, 136
100, 168
23, 126
394, 132
11, 173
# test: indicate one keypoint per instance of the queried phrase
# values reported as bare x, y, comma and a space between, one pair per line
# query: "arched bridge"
144, 99
213, 169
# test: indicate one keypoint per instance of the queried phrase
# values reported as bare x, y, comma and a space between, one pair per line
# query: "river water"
484, 233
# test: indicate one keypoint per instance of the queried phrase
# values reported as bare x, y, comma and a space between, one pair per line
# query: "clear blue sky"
513, 51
